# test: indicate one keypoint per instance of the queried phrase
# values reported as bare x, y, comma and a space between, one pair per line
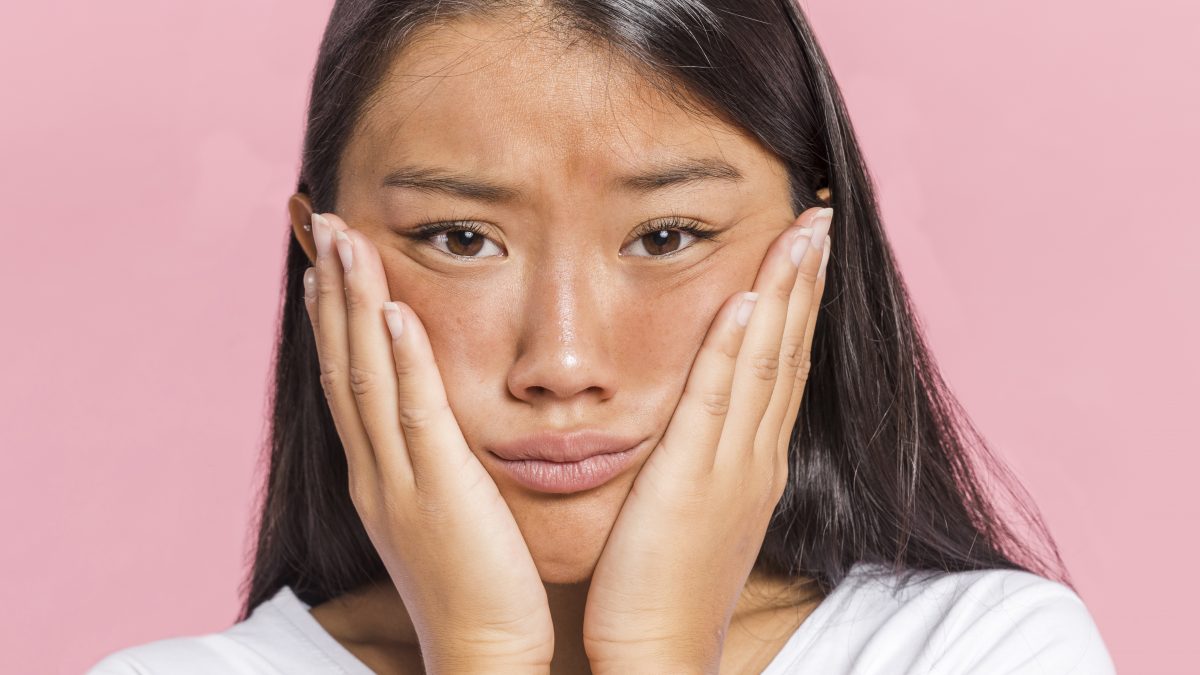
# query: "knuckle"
783, 292
806, 277
406, 369
355, 301
416, 417
363, 381
715, 404
329, 379
326, 291
764, 365
729, 348
793, 352
803, 369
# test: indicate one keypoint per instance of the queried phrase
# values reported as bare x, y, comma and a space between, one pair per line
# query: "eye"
463, 238
657, 238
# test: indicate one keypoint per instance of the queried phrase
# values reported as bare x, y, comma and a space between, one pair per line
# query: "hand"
446, 536
685, 541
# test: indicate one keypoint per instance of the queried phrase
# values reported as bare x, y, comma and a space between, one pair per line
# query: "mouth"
569, 477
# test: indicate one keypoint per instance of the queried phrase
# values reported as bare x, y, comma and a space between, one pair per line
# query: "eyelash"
692, 227
428, 229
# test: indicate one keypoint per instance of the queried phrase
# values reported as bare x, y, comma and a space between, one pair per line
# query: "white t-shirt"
981, 622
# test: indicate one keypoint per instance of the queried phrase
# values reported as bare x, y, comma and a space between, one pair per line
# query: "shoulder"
1006, 621
985, 621
172, 656
278, 637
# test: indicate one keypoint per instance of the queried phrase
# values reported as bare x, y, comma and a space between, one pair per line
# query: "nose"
565, 349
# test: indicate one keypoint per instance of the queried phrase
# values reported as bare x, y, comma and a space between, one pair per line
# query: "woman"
595, 358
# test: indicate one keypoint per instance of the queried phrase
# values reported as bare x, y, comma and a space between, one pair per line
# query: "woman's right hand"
446, 536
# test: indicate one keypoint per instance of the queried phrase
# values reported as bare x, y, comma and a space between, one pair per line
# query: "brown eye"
463, 239
464, 242
662, 242
668, 237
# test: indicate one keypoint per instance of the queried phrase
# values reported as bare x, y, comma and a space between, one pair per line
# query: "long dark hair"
885, 465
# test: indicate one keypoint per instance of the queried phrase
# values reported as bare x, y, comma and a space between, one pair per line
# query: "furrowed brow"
454, 184
680, 172
450, 183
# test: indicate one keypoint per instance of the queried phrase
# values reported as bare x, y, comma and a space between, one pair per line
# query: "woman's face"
561, 316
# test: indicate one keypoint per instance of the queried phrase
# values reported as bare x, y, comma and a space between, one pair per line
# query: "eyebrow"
444, 181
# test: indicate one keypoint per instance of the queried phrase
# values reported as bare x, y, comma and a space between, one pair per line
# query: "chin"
566, 535
559, 572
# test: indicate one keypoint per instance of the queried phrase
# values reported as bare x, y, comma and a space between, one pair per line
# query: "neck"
566, 609
375, 615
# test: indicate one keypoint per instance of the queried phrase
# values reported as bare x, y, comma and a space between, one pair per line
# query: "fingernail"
800, 244
824, 262
746, 308
821, 223
345, 249
321, 234
395, 321
310, 283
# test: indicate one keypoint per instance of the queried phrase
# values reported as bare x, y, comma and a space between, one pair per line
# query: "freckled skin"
558, 329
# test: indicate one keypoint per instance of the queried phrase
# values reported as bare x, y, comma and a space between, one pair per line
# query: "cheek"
467, 332
660, 334
461, 321
657, 336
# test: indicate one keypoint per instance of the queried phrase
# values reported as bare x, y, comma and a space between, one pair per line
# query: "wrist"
655, 663
652, 668
459, 662
457, 655
647, 659
459, 666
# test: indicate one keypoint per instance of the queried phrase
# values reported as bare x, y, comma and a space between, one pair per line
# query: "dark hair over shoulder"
885, 466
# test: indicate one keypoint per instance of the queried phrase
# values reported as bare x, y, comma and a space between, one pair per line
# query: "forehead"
502, 97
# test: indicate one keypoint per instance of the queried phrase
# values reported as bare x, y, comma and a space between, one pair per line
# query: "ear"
300, 210
824, 195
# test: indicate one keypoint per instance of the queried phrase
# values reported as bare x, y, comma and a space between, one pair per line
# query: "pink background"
1036, 166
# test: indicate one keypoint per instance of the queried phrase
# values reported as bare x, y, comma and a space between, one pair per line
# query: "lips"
563, 447
565, 463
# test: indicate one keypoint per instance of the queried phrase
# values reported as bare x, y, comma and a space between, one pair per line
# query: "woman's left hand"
665, 587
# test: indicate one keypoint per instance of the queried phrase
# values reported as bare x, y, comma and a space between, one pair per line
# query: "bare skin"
546, 334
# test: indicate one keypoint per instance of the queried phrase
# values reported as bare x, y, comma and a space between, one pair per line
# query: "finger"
757, 370
436, 447
700, 415
790, 419
310, 297
792, 354
370, 369
334, 352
